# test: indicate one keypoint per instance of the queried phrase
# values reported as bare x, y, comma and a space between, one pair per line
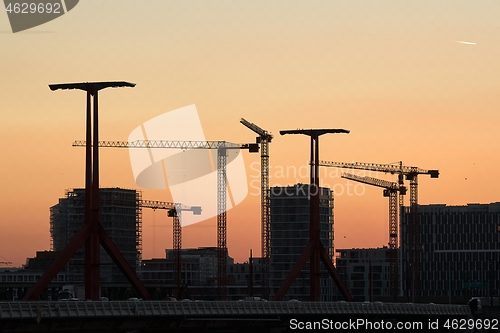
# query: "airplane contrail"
466, 43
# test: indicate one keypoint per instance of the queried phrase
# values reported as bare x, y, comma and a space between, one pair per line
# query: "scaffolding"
138, 229
52, 227
331, 231
121, 216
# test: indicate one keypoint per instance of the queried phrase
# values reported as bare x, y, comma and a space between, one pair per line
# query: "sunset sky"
394, 73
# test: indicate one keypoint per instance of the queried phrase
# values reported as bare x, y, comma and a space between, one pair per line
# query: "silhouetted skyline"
394, 74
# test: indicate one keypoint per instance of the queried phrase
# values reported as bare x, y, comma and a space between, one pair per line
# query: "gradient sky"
392, 72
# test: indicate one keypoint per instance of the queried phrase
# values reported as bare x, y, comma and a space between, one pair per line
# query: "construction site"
235, 166
96, 236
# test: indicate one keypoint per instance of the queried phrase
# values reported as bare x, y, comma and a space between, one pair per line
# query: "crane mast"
264, 139
221, 147
411, 174
221, 223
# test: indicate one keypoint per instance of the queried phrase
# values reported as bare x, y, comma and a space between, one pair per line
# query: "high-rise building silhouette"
289, 222
459, 251
120, 216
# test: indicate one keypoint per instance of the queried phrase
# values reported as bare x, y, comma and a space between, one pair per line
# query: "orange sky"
390, 71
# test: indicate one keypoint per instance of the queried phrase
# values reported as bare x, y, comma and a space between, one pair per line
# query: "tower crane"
263, 139
222, 147
174, 210
391, 190
411, 174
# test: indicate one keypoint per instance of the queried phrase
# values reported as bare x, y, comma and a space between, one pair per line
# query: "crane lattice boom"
155, 204
167, 144
263, 133
387, 168
168, 205
374, 181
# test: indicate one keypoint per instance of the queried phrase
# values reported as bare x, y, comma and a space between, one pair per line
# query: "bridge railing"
76, 309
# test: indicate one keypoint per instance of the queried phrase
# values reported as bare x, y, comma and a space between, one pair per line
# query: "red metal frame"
314, 250
58, 264
91, 233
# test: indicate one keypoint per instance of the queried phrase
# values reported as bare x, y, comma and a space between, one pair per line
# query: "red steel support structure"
91, 233
314, 250
250, 272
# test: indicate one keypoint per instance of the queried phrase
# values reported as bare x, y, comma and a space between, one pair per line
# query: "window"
358, 284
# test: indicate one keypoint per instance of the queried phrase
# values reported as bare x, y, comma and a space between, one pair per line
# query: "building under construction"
290, 234
119, 214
